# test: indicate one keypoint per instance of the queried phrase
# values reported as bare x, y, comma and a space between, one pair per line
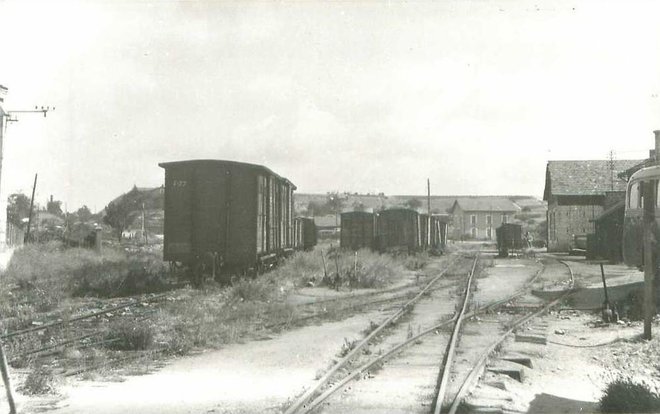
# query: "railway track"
395, 296
479, 366
442, 398
301, 404
47, 339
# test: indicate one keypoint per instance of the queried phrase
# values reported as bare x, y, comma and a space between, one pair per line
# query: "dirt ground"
581, 356
252, 377
569, 372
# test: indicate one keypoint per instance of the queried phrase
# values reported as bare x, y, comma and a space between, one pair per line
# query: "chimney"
657, 144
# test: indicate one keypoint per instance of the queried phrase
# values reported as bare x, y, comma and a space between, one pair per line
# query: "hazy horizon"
350, 96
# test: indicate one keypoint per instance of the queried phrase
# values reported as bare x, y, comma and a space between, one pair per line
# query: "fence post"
5, 379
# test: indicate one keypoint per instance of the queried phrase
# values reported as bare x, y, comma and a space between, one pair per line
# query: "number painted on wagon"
179, 183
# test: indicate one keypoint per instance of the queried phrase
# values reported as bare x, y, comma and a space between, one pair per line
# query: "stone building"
577, 193
477, 217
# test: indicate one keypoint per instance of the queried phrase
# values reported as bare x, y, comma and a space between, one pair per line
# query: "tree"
54, 207
116, 216
83, 214
315, 208
18, 207
359, 206
335, 202
413, 203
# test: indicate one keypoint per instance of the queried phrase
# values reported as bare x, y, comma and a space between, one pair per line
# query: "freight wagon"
358, 229
509, 237
398, 229
304, 233
225, 217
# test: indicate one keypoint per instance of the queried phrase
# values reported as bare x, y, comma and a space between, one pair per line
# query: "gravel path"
252, 377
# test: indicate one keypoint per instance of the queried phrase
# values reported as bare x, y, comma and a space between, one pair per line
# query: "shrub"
130, 335
65, 272
39, 381
623, 395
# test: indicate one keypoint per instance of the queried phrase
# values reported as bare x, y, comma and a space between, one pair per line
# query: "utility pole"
610, 164
428, 206
5, 118
144, 233
27, 233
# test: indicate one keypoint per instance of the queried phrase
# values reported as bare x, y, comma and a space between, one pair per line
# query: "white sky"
349, 96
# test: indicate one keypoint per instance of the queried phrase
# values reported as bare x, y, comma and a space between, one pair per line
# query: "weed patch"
347, 347
39, 381
623, 395
130, 335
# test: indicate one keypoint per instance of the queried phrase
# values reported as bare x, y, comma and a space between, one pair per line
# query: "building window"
489, 221
505, 218
474, 232
489, 233
473, 219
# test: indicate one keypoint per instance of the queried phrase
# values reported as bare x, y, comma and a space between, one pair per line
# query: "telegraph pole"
428, 206
5, 118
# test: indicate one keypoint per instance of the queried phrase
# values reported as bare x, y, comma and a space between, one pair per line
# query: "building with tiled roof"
579, 191
477, 217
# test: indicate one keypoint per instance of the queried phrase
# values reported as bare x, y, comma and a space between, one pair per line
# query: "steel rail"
451, 349
81, 317
479, 366
399, 297
300, 401
398, 348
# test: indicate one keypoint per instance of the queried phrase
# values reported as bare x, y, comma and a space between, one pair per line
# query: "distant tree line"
333, 204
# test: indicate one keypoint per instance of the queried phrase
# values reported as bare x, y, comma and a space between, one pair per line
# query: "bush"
129, 335
65, 272
625, 396
38, 382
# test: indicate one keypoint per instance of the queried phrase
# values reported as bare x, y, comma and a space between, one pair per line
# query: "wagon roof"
585, 177
398, 210
234, 163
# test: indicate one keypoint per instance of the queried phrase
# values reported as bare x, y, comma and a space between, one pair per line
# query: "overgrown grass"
623, 395
130, 335
40, 276
336, 268
49, 278
39, 381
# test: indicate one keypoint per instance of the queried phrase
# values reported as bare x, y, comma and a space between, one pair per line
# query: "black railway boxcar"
304, 231
509, 237
398, 229
358, 229
225, 217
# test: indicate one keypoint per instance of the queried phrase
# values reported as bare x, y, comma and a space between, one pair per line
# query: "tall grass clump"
623, 395
130, 335
68, 272
302, 269
39, 381
251, 289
